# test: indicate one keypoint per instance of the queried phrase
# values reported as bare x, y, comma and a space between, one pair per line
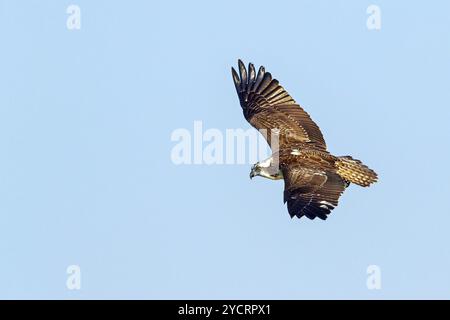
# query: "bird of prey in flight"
314, 179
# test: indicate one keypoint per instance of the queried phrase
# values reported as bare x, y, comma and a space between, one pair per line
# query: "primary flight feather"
314, 179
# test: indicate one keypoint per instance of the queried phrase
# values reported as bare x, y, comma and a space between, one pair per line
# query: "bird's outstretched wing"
311, 192
268, 106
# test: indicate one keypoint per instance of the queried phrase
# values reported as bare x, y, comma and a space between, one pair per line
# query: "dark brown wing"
268, 106
311, 192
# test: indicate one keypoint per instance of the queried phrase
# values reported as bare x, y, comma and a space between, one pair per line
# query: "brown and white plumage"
267, 105
314, 179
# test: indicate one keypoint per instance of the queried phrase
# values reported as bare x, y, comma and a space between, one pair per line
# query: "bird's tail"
355, 171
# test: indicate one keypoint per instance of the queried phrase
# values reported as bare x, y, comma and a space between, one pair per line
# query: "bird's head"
266, 170
255, 171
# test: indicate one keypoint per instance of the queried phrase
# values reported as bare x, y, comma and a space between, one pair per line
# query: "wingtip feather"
236, 78
242, 72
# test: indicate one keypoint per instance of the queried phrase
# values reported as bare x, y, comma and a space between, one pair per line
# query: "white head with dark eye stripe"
266, 169
255, 170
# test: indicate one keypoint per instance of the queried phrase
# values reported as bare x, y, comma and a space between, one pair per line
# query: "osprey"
314, 179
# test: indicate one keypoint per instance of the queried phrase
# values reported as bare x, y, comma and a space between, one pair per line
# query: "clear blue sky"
86, 176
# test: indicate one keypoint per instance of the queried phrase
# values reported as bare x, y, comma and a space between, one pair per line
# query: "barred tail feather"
355, 171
